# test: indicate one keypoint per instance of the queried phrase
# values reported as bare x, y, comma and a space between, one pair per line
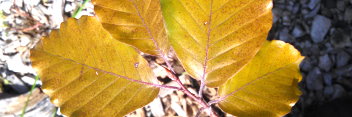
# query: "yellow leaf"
267, 86
135, 22
85, 71
1, 85
214, 39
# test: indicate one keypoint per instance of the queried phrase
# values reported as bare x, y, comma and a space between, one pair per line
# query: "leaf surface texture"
135, 22
214, 39
267, 86
84, 71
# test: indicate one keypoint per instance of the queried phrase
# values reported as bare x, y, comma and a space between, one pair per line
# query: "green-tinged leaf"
85, 71
267, 86
135, 22
214, 39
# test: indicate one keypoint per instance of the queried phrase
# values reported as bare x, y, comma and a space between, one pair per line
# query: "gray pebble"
285, 36
325, 62
315, 50
328, 91
348, 15
341, 5
17, 84
320, 28
344, 71
342, 59
306, 65
303, 2
296, 8
327, 79
298, 31
277, 14
312, 13
339, 91
340, 38
314, 80
313, 3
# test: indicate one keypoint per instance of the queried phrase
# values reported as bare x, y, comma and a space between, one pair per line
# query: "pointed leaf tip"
267, 86
136, 22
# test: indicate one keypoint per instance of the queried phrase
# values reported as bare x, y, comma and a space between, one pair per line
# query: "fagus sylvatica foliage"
92, 67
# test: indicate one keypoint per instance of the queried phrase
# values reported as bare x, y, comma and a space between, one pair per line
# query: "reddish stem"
200, 100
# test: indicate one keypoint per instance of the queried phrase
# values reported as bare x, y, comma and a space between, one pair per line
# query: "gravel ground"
320, 29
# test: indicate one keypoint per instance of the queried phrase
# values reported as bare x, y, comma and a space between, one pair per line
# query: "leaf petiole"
75, 14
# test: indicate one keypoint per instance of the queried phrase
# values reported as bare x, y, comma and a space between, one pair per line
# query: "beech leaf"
135, 22
267, 86
85, 71
214, 39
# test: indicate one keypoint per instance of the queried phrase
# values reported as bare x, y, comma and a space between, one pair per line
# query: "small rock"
15, 63
18, 3
327, 79
328, 48
298, 31
157, 108
305, 11
17, 84
341, 5
30, 81
24, 40
6, 6
285, 36
339, 91
295, 8
277, 14
69, 7
340, 38
348, 15
342, 58
312, 13
314, 80
344, 71
286, 20
320, 28
325, 62
306, 65
313, 3
303, 2
315, 50
328, 91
